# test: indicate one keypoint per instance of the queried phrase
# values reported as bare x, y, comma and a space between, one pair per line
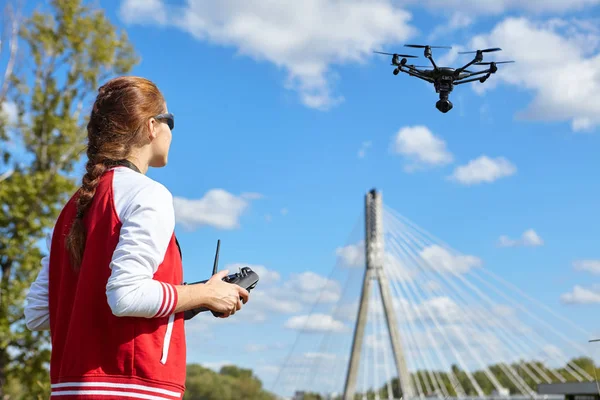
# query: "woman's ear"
151, 126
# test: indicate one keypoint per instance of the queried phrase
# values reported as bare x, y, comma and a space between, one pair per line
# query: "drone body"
444, 78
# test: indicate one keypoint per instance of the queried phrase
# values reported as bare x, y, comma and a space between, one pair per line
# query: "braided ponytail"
76, 238
116, 125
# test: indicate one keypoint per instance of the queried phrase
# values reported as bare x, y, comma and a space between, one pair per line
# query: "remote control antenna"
216, 264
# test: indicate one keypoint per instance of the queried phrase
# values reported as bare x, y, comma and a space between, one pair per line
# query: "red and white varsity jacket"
113, 327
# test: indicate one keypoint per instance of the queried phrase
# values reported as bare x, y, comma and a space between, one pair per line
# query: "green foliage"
230, 383
72, 48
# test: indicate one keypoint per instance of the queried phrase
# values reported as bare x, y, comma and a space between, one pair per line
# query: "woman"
111, 290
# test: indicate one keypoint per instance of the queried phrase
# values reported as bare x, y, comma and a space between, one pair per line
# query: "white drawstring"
167, 341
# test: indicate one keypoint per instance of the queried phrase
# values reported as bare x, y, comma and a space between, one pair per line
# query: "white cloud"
379, 342
218, 208
311, 287
397, 270
444, 261
140, 10
498, 7
352, 255
306, 362
440, 313
592, 266
483, 169
295, 294
9, 114
252, 196
363, 149
200, 326
263, 302
450, 57
347, 311
457, 20
272, 295
443, 309
217, 365
432, 286
552, 351
304, 38
421, 147
529, 239
315, 323
581, 295
9, 111
260, 348
557, 60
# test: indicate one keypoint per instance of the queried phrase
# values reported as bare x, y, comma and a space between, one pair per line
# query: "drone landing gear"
443, 104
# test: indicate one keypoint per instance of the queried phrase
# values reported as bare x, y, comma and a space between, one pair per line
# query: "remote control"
245, 278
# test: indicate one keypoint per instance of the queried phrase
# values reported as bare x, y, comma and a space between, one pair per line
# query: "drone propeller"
421, 46
394, 54
483, 51
494, 62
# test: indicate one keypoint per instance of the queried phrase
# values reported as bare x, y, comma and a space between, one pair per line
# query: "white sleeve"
37, 312
148, 220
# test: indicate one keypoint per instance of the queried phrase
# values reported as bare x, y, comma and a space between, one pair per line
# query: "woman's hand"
222, 297
215, 294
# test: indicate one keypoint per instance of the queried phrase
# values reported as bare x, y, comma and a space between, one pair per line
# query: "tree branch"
6, 175
13, 47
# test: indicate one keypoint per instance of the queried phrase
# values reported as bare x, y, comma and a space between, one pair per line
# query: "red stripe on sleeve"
163, 304
174, 299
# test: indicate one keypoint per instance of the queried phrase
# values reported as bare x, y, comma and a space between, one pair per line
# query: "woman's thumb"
220, 275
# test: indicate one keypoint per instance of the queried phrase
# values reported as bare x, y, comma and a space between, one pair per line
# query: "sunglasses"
169, 118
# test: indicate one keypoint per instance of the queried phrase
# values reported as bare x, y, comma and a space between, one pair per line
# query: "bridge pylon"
375, 259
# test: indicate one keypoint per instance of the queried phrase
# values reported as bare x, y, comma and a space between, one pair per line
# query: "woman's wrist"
191, 297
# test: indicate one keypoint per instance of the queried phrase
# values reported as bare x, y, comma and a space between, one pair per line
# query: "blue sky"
243, 129
274, 104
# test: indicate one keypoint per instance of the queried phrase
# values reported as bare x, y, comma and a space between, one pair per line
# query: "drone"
444, 78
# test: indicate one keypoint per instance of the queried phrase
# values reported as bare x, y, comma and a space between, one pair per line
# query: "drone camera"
444, 105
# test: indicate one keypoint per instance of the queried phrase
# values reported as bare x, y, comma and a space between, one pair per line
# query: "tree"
72, 49
230, 383
8, 44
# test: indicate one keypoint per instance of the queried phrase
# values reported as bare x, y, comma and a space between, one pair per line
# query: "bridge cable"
517, 304
434, 319
411, 312
472, 322
356, 228
378, 316
395, 273
454, 253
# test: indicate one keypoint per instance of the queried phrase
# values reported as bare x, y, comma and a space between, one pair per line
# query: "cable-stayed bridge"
404, 315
